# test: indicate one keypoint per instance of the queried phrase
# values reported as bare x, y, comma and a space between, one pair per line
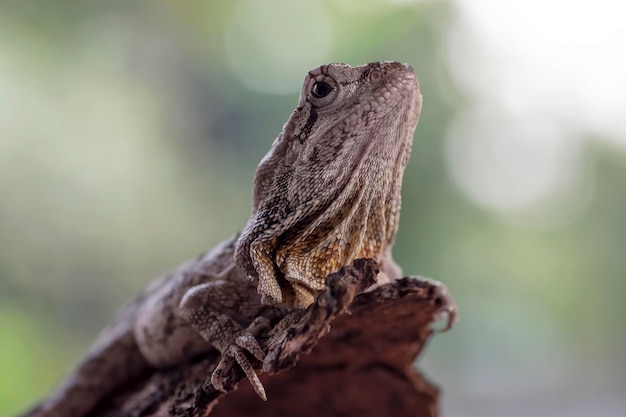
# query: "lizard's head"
339, 103
328, 191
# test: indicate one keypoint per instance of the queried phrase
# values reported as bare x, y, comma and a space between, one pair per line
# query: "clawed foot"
438, 293
236, 353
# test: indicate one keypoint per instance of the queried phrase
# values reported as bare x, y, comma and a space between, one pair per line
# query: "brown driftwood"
362, 365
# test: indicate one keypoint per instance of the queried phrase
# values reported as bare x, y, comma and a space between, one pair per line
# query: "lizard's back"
115, 359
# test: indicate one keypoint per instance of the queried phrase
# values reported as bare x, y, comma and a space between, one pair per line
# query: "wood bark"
350, 353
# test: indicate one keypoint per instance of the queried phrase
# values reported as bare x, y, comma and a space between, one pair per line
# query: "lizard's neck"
359, 222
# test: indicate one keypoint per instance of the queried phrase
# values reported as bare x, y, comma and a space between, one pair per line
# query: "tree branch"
362, 365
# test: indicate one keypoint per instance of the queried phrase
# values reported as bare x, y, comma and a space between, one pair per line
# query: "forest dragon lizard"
327, 193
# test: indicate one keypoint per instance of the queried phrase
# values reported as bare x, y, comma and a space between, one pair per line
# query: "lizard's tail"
112, 362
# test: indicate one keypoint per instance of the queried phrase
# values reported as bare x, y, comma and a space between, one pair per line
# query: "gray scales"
327, 193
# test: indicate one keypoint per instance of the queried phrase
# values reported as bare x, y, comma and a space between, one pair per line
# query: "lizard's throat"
293, 257
360, 225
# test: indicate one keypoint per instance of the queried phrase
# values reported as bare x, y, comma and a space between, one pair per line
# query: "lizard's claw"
442, 299
235, 352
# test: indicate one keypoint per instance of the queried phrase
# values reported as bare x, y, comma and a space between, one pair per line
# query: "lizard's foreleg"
204, 307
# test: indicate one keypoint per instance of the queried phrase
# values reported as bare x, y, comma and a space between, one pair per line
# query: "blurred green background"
130, 132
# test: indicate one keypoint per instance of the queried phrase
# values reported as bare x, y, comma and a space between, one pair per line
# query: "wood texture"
361, 364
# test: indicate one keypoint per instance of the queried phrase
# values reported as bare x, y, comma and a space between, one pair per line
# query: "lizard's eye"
321, 89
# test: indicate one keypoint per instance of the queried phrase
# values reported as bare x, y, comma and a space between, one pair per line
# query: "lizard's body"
328, 192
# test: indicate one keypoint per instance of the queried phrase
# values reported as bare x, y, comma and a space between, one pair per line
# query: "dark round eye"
321, 89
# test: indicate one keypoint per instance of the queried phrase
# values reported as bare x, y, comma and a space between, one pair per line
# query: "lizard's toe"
249, 343
235, 353
247, 368
247, 339
218, 376
221, 377
442, 299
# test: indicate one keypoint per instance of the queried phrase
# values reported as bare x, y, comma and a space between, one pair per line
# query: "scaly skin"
327, 193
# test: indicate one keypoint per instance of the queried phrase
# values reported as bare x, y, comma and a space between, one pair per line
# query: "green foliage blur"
129, 136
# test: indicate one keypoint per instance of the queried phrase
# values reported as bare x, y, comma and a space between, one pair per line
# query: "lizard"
326, 193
